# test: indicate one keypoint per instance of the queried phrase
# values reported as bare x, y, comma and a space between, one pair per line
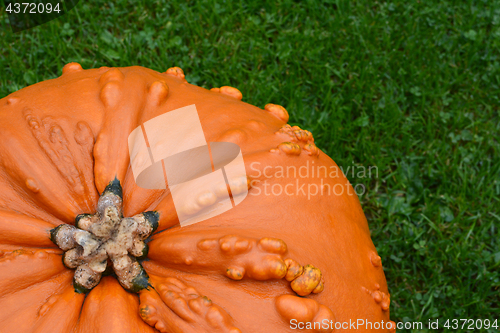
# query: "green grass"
411, 87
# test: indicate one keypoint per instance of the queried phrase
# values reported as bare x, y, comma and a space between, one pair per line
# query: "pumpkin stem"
98, 241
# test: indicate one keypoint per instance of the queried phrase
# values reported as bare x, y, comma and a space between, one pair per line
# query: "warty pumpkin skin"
269, 260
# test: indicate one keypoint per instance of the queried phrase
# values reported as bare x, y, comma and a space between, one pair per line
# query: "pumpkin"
68, 198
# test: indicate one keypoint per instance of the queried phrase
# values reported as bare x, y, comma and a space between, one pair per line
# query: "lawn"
410, 88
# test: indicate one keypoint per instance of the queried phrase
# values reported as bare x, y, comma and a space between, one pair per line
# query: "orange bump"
158, 92
302, 135
290, 148
32, 121
241, 245
41, 254
32, 185
234, 135
206, 199
308, 281
207, 244
72, 67
294, 269
231, 91
393, 327
151, 309
12, 100
278, 271
386, 302
256, 125
285, 129
48, 304
304, 310
235, 273
311, 149
176, 71
83, 134
278, 111
225, 246
375, 259
377, 296
110, 94
273, 245
320, 287
113, 74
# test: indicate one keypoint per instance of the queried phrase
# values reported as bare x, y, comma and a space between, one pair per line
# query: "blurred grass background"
410, 87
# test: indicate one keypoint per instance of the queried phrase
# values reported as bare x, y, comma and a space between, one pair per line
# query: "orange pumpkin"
274, 263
